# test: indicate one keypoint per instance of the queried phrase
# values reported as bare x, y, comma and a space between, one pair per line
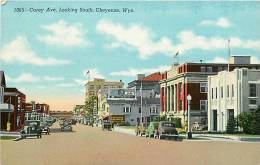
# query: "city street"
92, 146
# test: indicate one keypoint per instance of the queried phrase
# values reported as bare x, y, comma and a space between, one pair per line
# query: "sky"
46, 54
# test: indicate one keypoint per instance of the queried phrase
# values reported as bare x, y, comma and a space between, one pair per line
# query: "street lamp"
189, 135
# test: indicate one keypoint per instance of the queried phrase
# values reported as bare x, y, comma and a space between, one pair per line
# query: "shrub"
231, 125
177, 121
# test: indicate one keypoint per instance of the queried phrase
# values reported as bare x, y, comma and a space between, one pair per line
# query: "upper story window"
203, 105
140, 110
227, 90
216, 92
252, 90
221, 90
202, 69
180, 88
209, 69
232, 91
203, 87
212, 93
127, 109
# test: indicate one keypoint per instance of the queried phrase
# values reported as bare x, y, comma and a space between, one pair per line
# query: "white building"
229, 94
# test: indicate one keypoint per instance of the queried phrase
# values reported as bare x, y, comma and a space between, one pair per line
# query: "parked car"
151, 129
140, 130
65, 126
45, 127
166, 129
31, 128
107, 125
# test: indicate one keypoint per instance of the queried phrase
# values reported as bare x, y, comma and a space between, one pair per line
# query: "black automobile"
107, 125
166, 129
31, 128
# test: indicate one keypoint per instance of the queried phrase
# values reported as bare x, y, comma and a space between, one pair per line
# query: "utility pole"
228, 53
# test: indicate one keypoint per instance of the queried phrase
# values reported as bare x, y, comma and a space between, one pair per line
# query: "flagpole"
228, 53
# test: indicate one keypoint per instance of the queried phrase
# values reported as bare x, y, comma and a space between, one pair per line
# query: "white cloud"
30, 78
140, 38
218, 59
80, 82
93, 73
19, 51
132, 72
135, 36
24, 77
190, 40
221, 22
64, 34
51, 78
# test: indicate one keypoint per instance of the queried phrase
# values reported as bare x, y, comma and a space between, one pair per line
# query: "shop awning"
6, 108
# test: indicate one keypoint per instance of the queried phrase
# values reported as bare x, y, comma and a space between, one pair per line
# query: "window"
203, 87
216, 93
127, 109
209, 69
212, 93
252, 90
180, 88
227, 90
202, 69
139, 109
181, 106
219, 68
203, 105
221, 90
252, 101
232, 90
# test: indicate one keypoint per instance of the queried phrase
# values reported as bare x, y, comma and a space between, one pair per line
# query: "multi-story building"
92, 87
125, 105
16, 118
37, 107
229, 94
191, 78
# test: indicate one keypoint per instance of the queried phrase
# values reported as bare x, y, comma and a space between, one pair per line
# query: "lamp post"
141, 93
189, 135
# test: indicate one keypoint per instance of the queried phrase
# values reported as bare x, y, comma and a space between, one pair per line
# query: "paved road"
92, 146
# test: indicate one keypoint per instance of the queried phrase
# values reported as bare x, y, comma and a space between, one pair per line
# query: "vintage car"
140, 129
31, 128
166, 129
107, 125
65, 125
151, 129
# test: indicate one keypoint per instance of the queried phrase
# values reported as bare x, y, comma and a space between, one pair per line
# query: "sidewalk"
6, 133
125, 130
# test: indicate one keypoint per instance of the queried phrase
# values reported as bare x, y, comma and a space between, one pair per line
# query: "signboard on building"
117, 118
121, 93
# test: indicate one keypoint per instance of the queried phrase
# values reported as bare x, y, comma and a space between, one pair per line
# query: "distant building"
229, 94
92, 87
191, 78
62, 114
37, 107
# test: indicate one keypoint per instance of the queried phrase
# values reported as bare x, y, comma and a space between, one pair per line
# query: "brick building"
16, 98
191, 78
37, 107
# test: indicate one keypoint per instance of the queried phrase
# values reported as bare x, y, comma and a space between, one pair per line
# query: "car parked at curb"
166, 129
31, 128
151, 129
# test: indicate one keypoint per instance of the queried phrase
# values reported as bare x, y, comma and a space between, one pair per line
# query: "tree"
231, 125
90, 105
255, 124
245, 121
